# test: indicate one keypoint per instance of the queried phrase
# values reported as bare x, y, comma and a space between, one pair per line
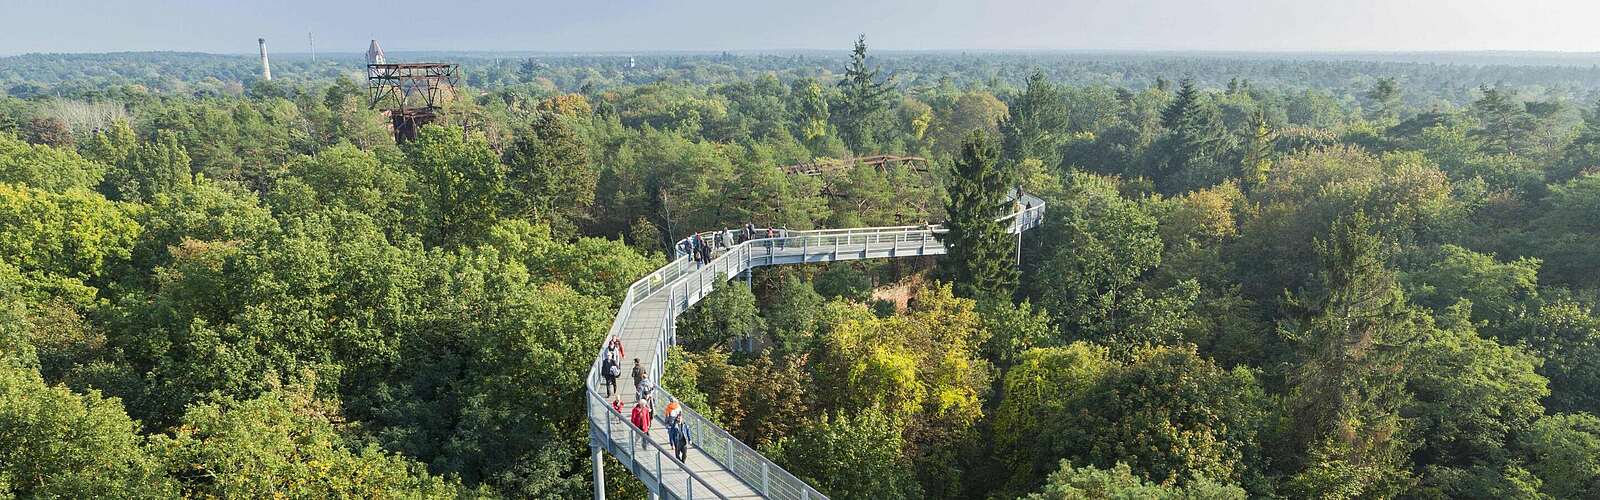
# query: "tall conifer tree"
979, 259
865, 97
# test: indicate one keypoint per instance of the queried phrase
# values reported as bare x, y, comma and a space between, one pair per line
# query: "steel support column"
598, 459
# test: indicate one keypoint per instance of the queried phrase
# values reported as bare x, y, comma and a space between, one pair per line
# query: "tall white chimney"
266, 68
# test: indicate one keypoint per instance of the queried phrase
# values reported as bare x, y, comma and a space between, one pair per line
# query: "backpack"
612, 369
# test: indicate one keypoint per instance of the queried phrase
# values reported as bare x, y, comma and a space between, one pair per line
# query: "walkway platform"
718, 465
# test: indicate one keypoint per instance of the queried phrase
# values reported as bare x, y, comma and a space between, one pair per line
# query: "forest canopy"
1258, 277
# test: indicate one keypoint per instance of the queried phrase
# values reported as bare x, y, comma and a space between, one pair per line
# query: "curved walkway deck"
718, 465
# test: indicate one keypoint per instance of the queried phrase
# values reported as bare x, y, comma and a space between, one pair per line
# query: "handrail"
685, 283
635, 436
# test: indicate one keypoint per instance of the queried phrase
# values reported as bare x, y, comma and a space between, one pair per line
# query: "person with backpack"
647, 388
638, 375
678, 434
611, 371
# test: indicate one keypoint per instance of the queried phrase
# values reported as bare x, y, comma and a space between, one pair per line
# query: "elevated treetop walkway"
718, 465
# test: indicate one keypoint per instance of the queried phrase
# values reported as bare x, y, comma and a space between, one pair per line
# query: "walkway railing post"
599, 470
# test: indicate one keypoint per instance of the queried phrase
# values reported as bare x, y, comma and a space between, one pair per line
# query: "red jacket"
641, 417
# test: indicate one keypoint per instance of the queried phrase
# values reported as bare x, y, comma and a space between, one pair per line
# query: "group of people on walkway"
697, 247
643, 412
611, 364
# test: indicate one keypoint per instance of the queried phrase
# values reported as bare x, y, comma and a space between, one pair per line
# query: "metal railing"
686, 282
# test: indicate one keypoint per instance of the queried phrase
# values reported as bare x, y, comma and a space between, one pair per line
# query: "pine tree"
1583, 153
1038, 123
1385, 96
1257, 153
1182, 105
979, 250
1195, 152
1507, 126
1346, 393
864, 98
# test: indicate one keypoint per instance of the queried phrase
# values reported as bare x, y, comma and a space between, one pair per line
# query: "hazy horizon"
1224, 26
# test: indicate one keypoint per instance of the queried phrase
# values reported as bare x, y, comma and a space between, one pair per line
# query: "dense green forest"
1258, 278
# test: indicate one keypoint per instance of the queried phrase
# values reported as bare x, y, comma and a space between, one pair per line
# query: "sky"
220, 26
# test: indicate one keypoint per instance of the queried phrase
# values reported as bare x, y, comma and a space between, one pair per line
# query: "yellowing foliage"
573, 105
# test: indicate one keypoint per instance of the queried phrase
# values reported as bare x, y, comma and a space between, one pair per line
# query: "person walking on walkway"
641, 418
616, 404
678, 433
694, 247
647, 388
611, 371
638, 375
616, 345
672, 437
